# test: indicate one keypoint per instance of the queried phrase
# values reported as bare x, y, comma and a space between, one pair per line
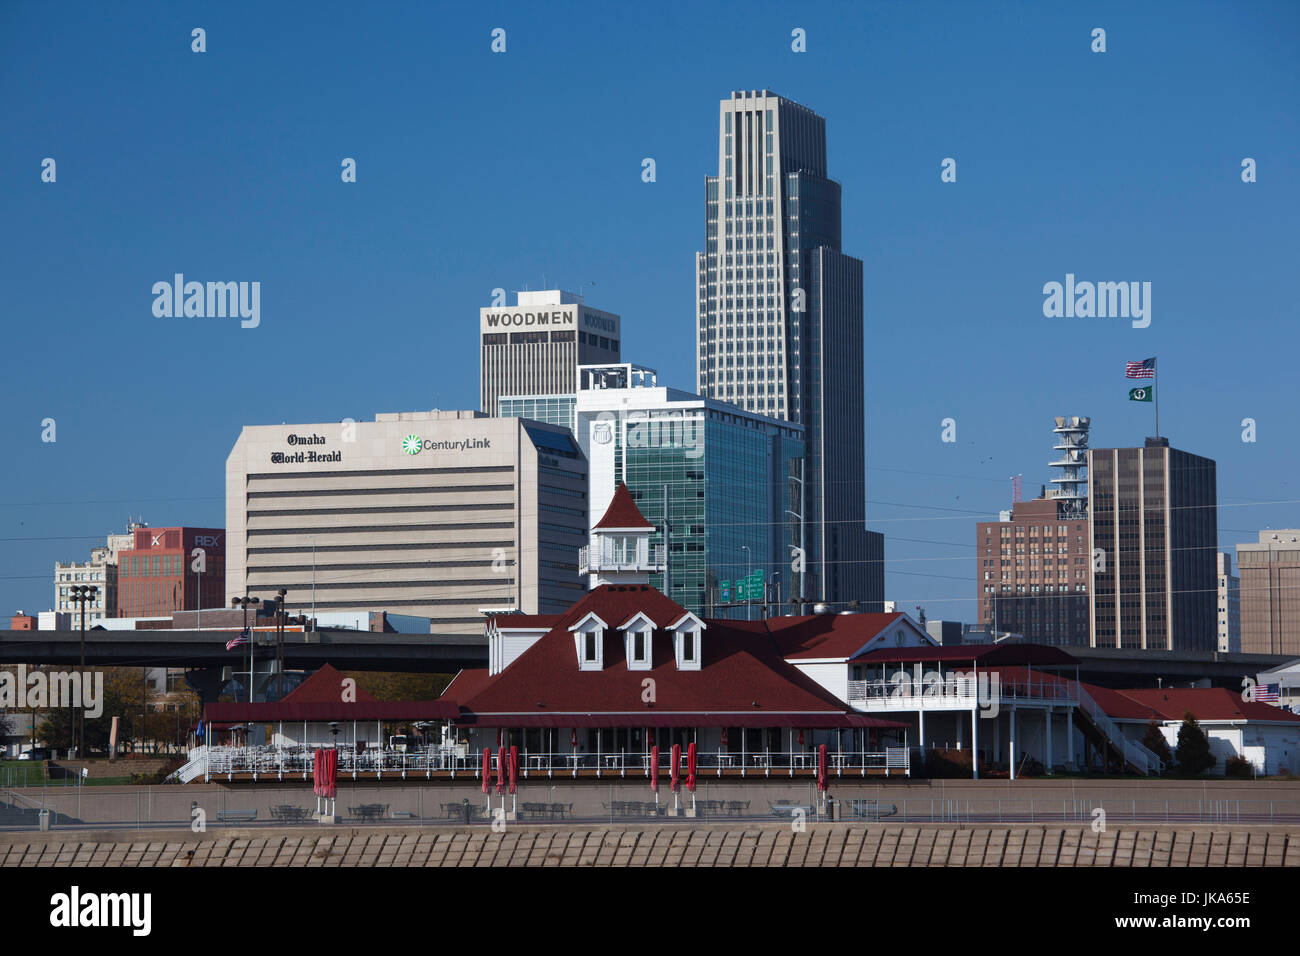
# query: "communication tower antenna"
1070, 484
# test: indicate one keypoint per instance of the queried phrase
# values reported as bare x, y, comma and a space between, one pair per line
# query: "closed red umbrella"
724, 736
821, 767
675, 774
690, 766
801, 738
654, 769
514, 768
573, 739
324, 773
487, 770
501, 770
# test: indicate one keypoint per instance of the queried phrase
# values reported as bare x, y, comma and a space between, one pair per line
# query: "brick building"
157, 576
1033, 574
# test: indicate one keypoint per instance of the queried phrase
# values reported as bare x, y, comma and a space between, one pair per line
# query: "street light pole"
81, 594
246, 602
748, 562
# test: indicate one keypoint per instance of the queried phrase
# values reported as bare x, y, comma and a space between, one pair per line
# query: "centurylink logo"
414, 444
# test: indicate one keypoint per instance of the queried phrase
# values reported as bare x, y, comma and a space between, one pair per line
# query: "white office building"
438, 514
730, 477
536, 347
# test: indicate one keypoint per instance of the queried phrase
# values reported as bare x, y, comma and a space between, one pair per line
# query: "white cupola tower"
618, 549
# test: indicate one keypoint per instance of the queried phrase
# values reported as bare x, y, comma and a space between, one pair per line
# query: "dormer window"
589, 642
686, 642
638, 635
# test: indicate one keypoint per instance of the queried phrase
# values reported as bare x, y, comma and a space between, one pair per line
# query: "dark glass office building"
1153, 522
780, 328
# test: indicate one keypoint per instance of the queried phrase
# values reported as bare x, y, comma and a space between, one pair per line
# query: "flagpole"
1154, 381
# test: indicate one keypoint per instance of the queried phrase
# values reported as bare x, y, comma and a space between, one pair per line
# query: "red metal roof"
1205, 703
320, 698
324, 687
623, 512
263, 713
651, 718
837, 636
742, 672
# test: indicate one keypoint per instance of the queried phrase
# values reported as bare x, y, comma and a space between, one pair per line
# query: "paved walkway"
822, 844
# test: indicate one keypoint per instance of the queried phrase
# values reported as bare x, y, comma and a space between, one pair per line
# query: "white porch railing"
962, 693
196, 767
277, 762
950, 693
611, 558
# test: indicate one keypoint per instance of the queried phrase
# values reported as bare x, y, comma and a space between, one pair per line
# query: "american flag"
236, 641
1143, 369
1267, 693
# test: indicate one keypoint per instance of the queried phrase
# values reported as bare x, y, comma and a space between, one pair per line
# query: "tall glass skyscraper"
779, 325
725, 472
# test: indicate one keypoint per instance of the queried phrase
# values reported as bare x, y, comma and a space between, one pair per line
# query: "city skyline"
364, 319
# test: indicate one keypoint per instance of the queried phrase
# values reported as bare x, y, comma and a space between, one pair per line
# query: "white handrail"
1138, 755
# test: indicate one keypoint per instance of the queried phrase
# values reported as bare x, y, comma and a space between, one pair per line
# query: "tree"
1193, 751
1155, 741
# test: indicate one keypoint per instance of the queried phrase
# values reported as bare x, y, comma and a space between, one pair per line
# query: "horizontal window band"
385, 510
403, 490
367, 566
360, 548
387, 603
372, 528
300, 586
372, 472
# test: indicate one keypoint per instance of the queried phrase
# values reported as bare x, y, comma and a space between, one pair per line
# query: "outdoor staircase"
1135, 755
194, 768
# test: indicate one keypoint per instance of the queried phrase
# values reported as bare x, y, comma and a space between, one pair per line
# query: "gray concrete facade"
439, 514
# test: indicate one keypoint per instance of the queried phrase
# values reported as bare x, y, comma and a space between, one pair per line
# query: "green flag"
1142, 394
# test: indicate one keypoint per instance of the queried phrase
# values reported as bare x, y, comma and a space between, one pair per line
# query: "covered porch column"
1011, 744
1047, 745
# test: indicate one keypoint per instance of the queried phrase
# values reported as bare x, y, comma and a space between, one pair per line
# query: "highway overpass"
345, 649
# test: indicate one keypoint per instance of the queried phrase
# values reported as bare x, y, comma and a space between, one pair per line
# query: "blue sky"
478, 170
